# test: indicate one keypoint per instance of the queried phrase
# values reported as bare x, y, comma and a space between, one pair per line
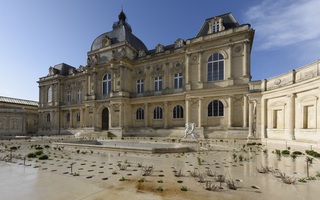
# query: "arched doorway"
105, 119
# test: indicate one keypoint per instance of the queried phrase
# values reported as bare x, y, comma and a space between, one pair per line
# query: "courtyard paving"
86, 174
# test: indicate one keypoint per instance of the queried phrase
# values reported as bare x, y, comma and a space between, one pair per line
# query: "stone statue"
189, 131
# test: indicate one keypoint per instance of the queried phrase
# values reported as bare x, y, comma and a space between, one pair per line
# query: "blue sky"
37, 34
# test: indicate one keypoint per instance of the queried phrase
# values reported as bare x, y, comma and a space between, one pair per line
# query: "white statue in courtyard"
189, 131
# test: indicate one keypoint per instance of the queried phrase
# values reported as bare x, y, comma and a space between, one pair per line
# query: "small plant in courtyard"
160, 189
194, 173
123, 179
199, 160
302, 180
178, 173
221, 179
122, 167
231, 184
147, 170
211, 186
184, 188
141, 180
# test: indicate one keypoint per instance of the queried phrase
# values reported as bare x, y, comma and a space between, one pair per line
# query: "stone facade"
128, 90
18, 117
286, 107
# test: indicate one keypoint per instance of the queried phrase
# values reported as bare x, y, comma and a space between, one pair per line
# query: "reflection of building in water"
18, 116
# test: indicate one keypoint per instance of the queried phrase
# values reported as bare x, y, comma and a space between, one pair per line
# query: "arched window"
157, 113
106, 85
49, 95
215, 108
48, 117
140, 114
215, 67
178, 112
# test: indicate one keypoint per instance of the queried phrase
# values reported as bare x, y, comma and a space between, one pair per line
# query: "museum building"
18, 117
129, 90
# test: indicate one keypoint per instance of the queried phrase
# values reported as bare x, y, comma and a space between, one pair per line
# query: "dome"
121, 32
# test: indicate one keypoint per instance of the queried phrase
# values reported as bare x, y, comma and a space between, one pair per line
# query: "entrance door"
105, 119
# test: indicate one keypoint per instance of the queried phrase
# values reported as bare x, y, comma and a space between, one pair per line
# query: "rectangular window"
79, 95
78, 117
140, 86
158, 83
277, 119
69, 96
309, 114
178, 79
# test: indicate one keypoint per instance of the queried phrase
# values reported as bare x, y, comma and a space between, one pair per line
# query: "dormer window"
216, 25
178, 43
142, 53
159, 48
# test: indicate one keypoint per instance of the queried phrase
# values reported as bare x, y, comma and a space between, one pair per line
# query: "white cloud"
285, 22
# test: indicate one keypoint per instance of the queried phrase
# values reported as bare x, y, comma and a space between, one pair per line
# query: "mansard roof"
18, 101
61, 69
228, 22
121, 32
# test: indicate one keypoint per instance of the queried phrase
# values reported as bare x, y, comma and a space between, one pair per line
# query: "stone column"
245, 111
94, 76
165, 114
264, 106
187, 57
199, 66
120, 115
291, 116
250, 120
229, 71
245, 59
200, 111
82, 121
71, 119
230, 102
187, 103
114, 81
146, 114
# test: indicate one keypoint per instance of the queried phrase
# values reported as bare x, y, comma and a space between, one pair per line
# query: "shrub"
31, 155
38, 148
13, 148
47, 146
285, 152
297, 153
43, 157
313, 153
38, 153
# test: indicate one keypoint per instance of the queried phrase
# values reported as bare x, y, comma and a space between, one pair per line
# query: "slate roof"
62, 69
228, 22
121, 32
18, 101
